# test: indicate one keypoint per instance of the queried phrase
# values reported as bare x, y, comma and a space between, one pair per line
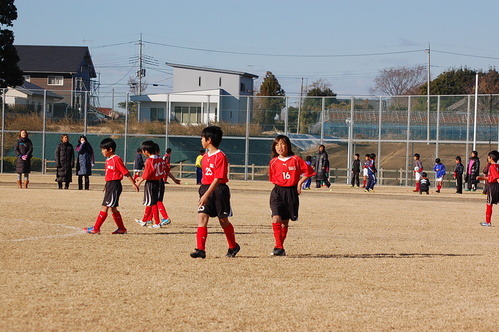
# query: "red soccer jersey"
153, 168
493, 173
165, 169
215, 166
115, 168
286, 172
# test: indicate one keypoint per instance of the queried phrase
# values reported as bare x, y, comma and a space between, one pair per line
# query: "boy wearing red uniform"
214, 193
165, 167
493, 188
115, 171
153, 172
285, 170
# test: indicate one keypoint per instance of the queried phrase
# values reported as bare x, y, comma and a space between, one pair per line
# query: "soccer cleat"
437, 191
91, 230
198, 253
278, 252
486, 224
119, 231
149, 222
165, 222
233, 252
156, 226
140, 222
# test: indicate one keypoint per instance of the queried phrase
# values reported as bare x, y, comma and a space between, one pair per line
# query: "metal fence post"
3, 130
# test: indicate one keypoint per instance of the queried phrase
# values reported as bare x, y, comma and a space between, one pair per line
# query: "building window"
199, 81
55, 80
157, 114
27, 78
187, 114
243, 87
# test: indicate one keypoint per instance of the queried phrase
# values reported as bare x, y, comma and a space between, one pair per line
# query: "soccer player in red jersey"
152, 174
214, 193
115, 171
285, 170
493, 189
165, 170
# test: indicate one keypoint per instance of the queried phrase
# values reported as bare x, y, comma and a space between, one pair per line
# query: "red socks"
488, 213
231, 237
155, 214
100, 220
118, 220
147, 213
439, 186
162, 210
201, 236
417, 186
280, 234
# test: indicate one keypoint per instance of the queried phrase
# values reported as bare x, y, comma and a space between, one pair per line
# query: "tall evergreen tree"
272, 103
10, 74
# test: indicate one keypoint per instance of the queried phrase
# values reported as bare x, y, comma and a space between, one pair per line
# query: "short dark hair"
424, 174
168, 150
148, 146
368, 155
357, 155
214, 133
458, 158
494, 155
202, 151
139, 150
372, 156
437, 160
286, 141
417, 155
108, 144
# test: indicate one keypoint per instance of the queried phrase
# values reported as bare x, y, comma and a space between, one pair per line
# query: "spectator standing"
24, 152
85, 162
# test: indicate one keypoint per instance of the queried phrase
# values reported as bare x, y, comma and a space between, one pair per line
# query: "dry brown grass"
391, 260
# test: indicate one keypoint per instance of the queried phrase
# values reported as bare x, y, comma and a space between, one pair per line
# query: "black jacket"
24, 146
65, 161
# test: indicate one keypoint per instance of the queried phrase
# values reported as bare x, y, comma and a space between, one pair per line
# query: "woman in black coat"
84, 162
322, 167
64, 159
472, 171
24, 152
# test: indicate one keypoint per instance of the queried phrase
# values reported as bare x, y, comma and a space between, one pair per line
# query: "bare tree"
397, 81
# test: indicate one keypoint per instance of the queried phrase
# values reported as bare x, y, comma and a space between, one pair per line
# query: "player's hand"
202, 201
135, 187
177, 181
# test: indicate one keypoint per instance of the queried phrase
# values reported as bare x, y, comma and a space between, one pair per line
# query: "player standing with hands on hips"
285, 170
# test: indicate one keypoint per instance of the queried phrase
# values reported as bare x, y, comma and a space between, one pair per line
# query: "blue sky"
344, 42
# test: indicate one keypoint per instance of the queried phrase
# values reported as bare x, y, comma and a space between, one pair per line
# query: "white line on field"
77, 230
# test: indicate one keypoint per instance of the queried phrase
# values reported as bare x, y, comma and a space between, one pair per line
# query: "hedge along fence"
9, 164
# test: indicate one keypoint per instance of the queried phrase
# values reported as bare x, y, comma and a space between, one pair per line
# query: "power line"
284, 55
467, 55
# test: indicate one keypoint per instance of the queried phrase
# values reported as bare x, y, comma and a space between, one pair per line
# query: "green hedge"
9, 164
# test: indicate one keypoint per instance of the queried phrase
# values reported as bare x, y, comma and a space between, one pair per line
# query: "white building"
200, 95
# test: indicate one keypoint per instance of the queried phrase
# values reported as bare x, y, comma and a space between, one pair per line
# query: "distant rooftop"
224, 71
53, 59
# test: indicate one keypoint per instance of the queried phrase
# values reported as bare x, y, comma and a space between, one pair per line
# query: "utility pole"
428, 98
299, 107
139, 72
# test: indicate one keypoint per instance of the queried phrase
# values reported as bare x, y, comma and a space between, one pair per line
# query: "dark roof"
35, 90
54, 59
232, 72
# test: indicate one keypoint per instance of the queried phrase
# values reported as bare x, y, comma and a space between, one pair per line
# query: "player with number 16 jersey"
286, 172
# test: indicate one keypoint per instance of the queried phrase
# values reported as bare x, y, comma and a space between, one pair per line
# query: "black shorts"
284, 202
112, 194
493, 193
151, 192
218, 204
161, 193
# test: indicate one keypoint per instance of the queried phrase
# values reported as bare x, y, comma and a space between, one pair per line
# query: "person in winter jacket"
322, 167
24, 152
85, 162
472, 171
65, 161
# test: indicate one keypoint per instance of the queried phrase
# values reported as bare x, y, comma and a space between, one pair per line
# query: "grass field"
389, 260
